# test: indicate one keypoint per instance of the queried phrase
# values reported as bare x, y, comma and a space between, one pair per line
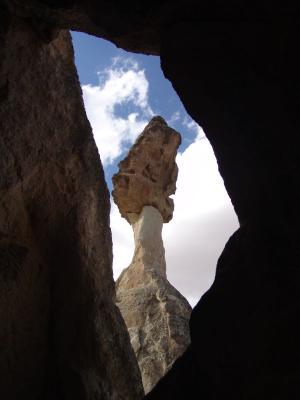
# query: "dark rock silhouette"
236, 68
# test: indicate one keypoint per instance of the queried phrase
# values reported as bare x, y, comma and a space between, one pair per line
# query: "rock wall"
241, 86
236, 68
61, 335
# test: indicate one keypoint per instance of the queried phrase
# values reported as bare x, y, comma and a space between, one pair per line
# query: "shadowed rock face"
236, 69
147, 176
239, 87
61, 335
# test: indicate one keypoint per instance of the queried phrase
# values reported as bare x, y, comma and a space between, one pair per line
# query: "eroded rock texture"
147, 176
236, 68
61, 336
155, 313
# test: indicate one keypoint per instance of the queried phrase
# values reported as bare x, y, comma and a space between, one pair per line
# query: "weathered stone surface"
147, 176
149, 252
156, 314
61, 335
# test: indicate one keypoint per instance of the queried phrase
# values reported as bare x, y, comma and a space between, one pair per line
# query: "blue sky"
122, 91
93, 56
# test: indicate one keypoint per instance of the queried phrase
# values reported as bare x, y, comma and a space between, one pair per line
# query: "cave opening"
235, 68
122, 91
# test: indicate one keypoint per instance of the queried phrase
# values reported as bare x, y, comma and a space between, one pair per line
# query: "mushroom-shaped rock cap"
147, 175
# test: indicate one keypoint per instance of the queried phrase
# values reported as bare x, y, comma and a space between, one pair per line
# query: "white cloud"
174, 118
203, 220
123, 242
193, 126
122, 84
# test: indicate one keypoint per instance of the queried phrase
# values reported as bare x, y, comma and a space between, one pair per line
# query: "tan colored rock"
156, 314
148, 174
149, 253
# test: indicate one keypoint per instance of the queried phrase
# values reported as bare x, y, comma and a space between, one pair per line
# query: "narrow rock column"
149, 254
156, 314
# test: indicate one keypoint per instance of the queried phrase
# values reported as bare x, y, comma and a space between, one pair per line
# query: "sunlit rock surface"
155, 313
147, 176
